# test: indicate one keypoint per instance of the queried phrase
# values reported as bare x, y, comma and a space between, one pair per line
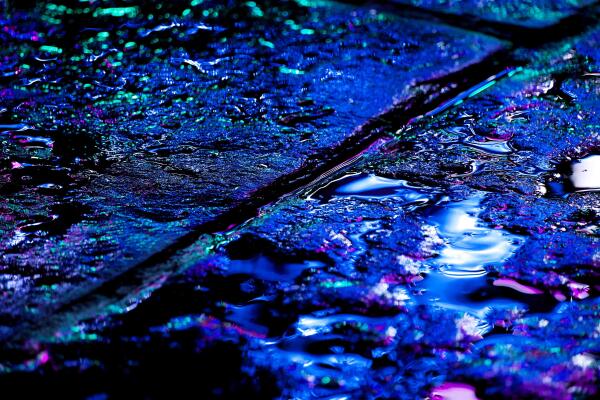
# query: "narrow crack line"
427, 96
521, 36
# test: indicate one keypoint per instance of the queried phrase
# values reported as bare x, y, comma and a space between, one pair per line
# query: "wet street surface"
300, 199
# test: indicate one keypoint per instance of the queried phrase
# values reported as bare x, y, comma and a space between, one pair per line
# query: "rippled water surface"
369, 186
157, 233
469, 244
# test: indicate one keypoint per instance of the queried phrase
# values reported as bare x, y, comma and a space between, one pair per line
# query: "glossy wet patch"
261, 271
270, 269
257, 257
581, 175
585, 174
480, 295
493, 147
469, 245
459, 278
372, 187
251, 317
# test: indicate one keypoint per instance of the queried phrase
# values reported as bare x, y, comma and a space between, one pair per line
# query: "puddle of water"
327, 359
359, 244
249, 317
479, 295
330, 376
585, 173
267, 268
493, 147
581, 175
253, 315
460, 281
311, 325
469, 245
372, 187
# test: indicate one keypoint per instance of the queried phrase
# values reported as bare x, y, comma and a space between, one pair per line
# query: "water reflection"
586, 173
459, 280
582, 175
469, 245
372, 187
269, 269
